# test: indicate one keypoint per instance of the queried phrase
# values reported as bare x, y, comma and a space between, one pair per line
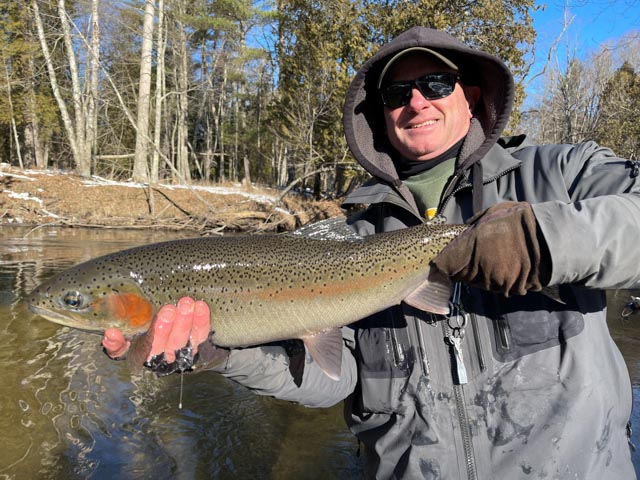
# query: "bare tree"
140, 164
159, 93
79, 129
181, 68
94, 69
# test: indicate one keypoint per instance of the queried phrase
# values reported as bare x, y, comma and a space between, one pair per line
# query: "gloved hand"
503, 251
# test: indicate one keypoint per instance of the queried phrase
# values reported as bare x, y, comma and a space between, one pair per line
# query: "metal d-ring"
457, 312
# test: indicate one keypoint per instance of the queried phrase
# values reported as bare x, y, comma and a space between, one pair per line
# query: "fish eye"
73, 299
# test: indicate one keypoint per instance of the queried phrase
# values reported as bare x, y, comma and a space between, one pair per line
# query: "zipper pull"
456, 322
455, 340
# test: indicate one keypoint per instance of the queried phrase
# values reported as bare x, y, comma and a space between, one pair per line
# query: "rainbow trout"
260, 289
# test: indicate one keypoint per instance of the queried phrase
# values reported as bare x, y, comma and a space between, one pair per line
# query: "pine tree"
619, 127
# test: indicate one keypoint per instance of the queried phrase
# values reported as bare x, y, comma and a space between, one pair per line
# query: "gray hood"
363, 120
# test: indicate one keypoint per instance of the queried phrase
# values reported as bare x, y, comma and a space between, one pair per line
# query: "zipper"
473, 318
461, 409
422, 351
465, 431
504, 333
453, 328
398, 351
448, 196
476, 338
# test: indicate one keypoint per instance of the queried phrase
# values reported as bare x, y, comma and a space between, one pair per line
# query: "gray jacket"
547, 394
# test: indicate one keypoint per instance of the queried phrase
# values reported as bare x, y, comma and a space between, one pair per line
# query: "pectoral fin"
433, 294
326, 350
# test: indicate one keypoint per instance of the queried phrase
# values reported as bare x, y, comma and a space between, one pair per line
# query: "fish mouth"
61, 319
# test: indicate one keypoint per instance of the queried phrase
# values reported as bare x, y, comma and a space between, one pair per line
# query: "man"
512, 383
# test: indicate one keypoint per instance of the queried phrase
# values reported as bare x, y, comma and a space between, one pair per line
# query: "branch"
552, 49
307, 175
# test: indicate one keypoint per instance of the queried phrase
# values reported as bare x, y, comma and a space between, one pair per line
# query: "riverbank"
51, 197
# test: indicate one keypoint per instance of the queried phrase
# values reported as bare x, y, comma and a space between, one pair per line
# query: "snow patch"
258, 197
23, 196
14, 175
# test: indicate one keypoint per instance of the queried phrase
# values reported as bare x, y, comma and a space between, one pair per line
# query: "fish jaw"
128, 311
77, 322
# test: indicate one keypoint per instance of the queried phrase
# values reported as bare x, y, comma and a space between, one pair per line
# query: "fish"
260, 289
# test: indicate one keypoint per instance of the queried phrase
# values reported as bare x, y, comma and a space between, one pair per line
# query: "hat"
401, 54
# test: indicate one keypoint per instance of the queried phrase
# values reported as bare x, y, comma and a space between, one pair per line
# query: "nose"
417, 100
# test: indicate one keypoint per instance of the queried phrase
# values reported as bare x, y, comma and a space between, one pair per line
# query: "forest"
215, 91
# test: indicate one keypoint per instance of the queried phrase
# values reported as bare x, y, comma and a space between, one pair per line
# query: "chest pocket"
535, 322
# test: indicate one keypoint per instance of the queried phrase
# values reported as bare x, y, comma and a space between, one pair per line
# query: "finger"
201, 325
114, 343
181, 328
162, 328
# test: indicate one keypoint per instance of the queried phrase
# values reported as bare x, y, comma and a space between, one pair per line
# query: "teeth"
424, 124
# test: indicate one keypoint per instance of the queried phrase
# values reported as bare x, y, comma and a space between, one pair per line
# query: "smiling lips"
423, 124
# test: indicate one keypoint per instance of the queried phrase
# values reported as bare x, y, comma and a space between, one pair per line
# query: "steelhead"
260, 289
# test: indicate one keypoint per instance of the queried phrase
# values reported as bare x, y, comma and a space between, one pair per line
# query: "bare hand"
173, 327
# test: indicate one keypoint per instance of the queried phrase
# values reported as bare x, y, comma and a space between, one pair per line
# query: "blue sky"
594, 22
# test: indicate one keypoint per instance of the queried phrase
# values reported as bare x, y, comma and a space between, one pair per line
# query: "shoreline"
62, 199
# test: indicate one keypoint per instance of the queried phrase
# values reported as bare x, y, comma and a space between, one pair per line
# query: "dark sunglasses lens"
397, 94
436, 86
432, 87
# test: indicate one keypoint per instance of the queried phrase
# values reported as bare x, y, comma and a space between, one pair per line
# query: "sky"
594, 22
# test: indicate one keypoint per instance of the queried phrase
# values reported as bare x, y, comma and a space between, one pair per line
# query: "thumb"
114, 343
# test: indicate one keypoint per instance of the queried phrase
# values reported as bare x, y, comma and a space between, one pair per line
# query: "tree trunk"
220, 127
182, 48
82, 157
55, 88
140, 165
14, 128
160, 88
33, 139
90, 149
246, 179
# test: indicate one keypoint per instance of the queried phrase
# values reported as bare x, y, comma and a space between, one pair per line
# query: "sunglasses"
432, 86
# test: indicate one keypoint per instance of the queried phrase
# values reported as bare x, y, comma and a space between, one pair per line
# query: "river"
67, 411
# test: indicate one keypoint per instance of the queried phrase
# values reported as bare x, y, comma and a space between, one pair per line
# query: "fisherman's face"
424, 129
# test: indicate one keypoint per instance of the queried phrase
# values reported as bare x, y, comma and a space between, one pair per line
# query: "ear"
472, 94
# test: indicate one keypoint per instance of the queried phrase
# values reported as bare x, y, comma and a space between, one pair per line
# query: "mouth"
426, 123
60, 319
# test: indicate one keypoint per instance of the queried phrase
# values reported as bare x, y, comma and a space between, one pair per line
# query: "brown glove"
503, 251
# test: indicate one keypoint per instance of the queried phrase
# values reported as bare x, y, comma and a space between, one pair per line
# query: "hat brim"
407, 51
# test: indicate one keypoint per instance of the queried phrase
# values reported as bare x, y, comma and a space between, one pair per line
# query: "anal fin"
325, 349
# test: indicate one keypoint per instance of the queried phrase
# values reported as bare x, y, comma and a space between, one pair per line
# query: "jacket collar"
497, 162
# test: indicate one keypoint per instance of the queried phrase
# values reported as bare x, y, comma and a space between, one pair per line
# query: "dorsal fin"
433, 294
326, 350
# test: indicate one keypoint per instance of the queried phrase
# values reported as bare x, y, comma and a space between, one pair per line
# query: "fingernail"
185, 305
201, 308
166, 316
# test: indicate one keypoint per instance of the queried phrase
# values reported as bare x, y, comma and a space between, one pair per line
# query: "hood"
363, 120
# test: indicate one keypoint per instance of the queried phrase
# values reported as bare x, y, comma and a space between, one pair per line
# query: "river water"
67, 411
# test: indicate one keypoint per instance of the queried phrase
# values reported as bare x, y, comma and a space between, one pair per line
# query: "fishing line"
181, 384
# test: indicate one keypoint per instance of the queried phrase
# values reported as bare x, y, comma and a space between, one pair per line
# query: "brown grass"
59, 198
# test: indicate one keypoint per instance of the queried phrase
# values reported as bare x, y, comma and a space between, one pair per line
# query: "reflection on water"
67, 411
